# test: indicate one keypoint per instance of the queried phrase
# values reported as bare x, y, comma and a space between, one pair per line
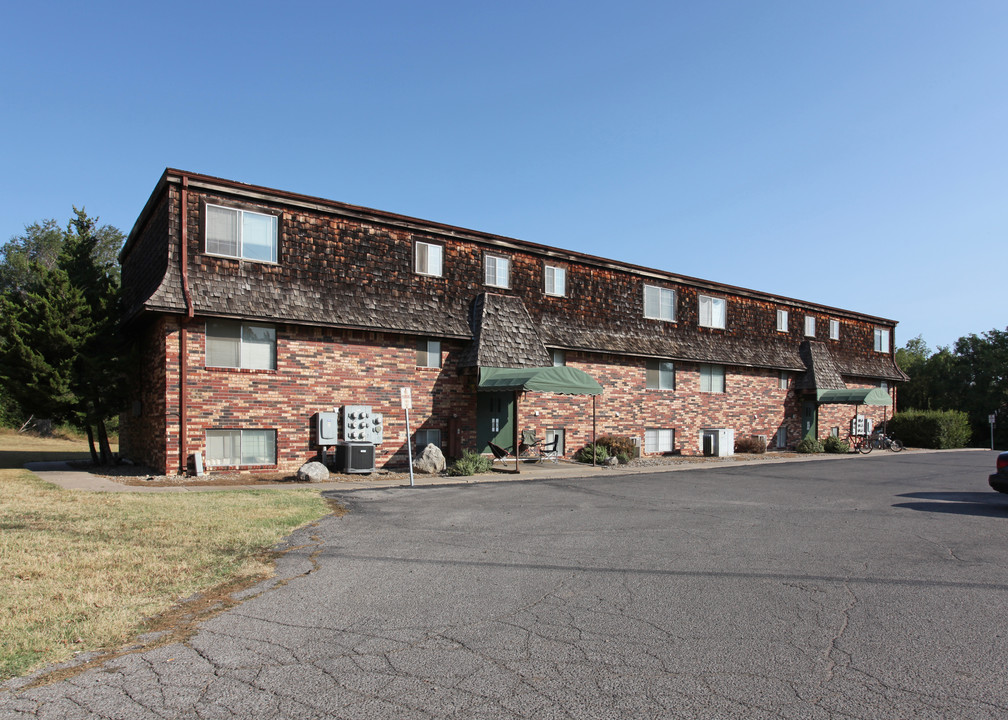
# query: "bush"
809, 445
617, 445
471, 463
623, 458
584, 455
836, 444
750, 444
938, 429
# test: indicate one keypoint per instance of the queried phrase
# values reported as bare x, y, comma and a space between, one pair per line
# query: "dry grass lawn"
86, 571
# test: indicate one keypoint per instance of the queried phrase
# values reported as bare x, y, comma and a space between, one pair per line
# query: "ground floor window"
558, 435
427, 437
240, 447
782, 437
659, 440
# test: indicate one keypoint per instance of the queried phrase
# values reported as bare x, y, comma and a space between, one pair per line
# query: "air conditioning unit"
353, 457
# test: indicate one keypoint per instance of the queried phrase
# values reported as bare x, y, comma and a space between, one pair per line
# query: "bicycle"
859, 443
881, 441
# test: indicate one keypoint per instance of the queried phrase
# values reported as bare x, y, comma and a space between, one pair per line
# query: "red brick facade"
348, 310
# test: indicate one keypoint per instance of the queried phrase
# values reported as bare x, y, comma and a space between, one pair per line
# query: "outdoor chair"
549, 450
499, 453
529, 442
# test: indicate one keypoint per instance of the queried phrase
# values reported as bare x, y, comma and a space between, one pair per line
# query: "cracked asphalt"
864, 588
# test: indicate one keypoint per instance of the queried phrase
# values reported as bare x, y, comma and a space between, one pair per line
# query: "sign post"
406, 399
990, 419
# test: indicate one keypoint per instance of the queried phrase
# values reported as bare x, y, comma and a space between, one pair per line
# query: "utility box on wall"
717, 442
326, 428
362, 425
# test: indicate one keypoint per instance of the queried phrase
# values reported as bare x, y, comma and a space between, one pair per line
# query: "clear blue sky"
848, 153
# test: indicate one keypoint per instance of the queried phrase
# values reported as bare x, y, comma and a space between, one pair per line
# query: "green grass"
87, 571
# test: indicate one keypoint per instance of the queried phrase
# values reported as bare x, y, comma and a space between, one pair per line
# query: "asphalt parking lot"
870, 587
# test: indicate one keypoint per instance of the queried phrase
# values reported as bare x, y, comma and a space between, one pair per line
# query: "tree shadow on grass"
983, 504
16, 459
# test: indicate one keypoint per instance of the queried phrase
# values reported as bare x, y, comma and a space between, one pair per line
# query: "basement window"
235, 448
659, 440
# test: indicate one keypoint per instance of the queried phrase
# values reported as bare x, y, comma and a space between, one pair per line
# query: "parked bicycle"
881, 441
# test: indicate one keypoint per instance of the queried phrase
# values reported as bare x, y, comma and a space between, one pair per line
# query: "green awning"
559, 379
870, 396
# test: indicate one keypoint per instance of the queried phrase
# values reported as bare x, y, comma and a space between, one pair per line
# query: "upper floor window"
428, 353
660, 375
712, 379
783, 380
559, 357
884, 385
809, 326
498, 271
659, 303
428, 259
241, 234
834, 329
712, 311
556, 280
882, 340
240, 345
782, 321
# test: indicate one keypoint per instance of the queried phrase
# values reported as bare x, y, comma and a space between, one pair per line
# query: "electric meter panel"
359, 424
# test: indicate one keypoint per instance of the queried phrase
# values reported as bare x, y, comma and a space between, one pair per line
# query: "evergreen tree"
60, 352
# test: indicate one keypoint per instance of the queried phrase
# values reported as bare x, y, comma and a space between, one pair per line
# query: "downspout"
183, 344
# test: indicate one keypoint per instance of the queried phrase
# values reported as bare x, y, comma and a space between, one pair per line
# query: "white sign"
406, 397
990, 419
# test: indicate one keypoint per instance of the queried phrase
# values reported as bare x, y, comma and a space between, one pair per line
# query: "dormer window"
498, 271
428, 259
712, 312
241, 234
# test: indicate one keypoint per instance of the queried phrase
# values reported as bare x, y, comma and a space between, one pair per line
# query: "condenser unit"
353, 457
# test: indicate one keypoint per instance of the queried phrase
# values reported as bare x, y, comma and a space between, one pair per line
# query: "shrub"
836, 444
470, 463
584, 455
809, 445
938, 429
617, 445
750, 444
623, 458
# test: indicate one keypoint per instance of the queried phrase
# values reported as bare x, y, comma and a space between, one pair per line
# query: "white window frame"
881, 342
782, 321
659, 303
834, 329
884, 385
428, 259
243, 440
249, 352
428, 353
497, 271
659, 440
784, 380
781, 437
713, 311
810, 326
555, 280
559, 357
552, 433
241, 251
430, 436
660, 375
712, 379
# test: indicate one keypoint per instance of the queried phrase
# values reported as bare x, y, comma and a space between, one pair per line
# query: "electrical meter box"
359, 425
326, 428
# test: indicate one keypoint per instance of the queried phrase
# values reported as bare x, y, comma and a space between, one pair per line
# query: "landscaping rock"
313, 472
612, 461
431, 461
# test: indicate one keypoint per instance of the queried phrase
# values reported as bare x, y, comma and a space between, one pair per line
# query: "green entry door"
494, 420
808, 423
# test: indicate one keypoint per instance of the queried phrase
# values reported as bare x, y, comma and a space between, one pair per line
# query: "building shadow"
981, 504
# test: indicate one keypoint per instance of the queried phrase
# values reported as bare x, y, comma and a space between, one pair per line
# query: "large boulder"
431, 461
313, 472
